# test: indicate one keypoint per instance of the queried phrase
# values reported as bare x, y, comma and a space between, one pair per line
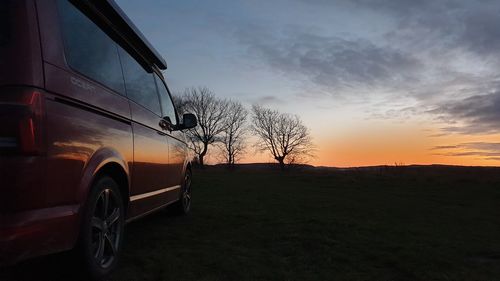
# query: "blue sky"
377, 81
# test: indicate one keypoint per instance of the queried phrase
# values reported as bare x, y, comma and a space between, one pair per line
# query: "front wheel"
183, 206
103, 223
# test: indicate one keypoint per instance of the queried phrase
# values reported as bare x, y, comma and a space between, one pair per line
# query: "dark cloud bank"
333, 62
478, 114
425, 33
483, 150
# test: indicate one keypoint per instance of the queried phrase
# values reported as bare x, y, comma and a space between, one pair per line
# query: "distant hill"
261, 166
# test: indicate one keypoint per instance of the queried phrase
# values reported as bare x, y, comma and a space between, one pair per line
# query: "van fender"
99, 159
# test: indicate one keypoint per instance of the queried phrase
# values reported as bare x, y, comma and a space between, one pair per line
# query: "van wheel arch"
118, 174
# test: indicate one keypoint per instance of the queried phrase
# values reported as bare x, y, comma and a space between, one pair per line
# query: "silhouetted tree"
283, 135
232, 137
211, 113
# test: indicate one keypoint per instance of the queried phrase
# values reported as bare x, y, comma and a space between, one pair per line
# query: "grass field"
399, 223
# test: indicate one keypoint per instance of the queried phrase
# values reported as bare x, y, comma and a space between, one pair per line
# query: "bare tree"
232, 137
211, 113
283, 135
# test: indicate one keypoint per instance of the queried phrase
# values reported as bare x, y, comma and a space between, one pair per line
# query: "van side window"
139, 84
88, 49
166, 102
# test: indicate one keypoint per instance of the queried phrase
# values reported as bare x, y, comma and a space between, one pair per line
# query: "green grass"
400, 223
393, 224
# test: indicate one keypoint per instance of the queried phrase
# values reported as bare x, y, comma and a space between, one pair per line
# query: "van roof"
121, 23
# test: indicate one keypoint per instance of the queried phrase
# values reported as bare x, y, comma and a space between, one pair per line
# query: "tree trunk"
282, 164
202, 154
281, 161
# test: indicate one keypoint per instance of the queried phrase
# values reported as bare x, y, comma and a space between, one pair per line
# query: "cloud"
332, 63
401, 7
468, 25
480, 32
265, 100
488, 146
398, 7
483, 146
445, 147
483, 150
437, 58
438, 135
473, 153
479, 114
427, 48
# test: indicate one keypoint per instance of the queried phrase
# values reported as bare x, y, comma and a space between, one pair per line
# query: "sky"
377, 82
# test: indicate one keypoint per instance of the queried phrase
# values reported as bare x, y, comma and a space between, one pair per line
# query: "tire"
101, 233
183, 206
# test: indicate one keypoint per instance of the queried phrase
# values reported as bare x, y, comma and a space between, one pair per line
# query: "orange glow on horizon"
389, 146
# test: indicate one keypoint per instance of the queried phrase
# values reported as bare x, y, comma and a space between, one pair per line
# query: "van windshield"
4, 23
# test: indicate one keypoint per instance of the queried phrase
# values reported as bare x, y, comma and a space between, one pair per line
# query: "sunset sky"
377, 82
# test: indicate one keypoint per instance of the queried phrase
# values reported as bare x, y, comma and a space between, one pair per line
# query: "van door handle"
165, 125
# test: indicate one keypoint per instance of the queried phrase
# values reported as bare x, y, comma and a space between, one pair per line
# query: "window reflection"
166, 101
88, 49
140, 85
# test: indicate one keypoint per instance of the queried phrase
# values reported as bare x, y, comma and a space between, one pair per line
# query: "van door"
176, 141
150, 184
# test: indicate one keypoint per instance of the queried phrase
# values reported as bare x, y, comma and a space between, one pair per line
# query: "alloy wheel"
186, 195
106, 230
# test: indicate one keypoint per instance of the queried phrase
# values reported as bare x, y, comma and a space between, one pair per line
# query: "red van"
89, 136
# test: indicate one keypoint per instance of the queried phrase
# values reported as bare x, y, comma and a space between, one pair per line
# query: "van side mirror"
189, 121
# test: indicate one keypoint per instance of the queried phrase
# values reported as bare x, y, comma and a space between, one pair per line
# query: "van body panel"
149, 173
177, 157
20, 72
20, 52
102, 157
81, 120
38, 232
18, 191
